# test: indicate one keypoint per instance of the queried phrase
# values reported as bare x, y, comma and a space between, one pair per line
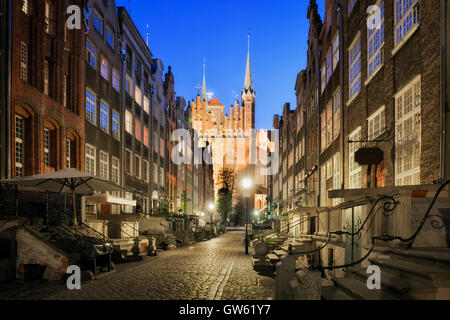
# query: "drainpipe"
443, 83
341, 81
8, 95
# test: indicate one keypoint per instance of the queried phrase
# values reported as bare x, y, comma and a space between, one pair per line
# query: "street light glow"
246, 183
212, 206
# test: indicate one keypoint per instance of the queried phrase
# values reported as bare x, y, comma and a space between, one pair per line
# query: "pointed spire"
248, 84
204, 95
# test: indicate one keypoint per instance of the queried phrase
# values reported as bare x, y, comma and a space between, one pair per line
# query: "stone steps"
358, 290
332, 293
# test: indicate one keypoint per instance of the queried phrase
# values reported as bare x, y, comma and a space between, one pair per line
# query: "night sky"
182, 33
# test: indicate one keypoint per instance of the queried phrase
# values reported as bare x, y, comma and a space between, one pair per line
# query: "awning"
106, 198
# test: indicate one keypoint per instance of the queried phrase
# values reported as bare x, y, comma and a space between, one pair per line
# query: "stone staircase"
415, 274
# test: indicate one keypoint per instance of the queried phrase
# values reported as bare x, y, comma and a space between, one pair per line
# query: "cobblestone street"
215, 269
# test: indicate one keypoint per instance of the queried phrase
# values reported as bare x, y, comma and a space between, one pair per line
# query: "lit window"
68, 153
408, 134
375, 45
91, 106
145, 136
98, 22
19, 146
376, 124
329, 65
25, 6
137, 95
128, 122
110, 38
104, 68
407, 16
104, 117
355, 68
90, 54
115, 125
47, 17
129, 85
46, 147
24, 62
116, 80
146, 105
337, 114
104, 165
46, 77
90, 159
354, 167
137, 129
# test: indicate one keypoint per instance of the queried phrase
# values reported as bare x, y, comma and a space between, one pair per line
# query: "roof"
215, 103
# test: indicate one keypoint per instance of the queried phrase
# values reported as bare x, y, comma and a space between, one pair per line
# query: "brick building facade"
371, 89
47, 88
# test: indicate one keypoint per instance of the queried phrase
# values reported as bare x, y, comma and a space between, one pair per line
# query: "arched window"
71, 154
51, 145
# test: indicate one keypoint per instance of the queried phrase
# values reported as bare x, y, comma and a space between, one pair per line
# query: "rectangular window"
376, 124
46, 77
408, 134
161, 147
116, 80
145, 136
19, 147
137, 166
46, 147
146, 105
98, 22
115, 125
375, 45
162, 176
104, 68
91, 106
68, 155
137, 95
47, 17
323, 76
327, 126
335, 51
64, 91
90, 159
337, 114
329, 65
145, 170
24, 62
128, 162
128, 122
90, 54
137, 129
115, 170
25, 6
109, 38
129, 85
336, 175
354, 167
104, 165
407, 16
355, 68
104, 117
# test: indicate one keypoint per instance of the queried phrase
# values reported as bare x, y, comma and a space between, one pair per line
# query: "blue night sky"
183, 32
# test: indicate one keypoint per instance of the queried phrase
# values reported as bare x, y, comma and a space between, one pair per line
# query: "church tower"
248, 95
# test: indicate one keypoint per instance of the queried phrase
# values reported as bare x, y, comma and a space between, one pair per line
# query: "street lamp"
211, 208
246, 185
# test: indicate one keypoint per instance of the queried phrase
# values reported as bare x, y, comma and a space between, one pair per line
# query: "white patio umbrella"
67, 181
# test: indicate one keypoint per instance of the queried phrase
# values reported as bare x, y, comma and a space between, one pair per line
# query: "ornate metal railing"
389, 206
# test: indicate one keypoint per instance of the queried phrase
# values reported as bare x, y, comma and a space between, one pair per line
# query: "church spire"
248, 84
204, 95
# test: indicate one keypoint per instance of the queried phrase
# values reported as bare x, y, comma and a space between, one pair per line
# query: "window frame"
103, 164
104, 117
371, 133
91, 107
93, 158
352, 63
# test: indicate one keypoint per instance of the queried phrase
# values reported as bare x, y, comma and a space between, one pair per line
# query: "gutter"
443, 87
8, 95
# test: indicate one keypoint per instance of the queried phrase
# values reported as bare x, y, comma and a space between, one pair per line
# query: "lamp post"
246, 185
211, 208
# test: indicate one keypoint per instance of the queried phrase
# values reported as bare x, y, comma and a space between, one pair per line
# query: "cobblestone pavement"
215, 269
